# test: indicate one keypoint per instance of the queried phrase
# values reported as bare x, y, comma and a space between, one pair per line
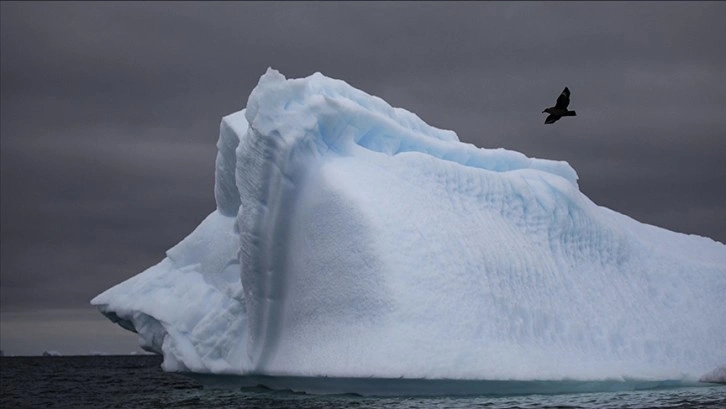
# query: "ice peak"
343, 119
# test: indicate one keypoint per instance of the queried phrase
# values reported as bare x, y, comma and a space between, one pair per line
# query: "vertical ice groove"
268, 173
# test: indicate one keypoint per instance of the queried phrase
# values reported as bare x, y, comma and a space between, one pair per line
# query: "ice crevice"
351, 240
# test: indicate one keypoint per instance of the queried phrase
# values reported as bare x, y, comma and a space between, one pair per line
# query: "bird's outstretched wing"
552, 119
563, 100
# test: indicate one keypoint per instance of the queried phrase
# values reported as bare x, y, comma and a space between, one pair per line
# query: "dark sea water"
139, 382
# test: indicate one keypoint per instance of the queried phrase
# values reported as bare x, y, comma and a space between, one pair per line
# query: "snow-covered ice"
351, 239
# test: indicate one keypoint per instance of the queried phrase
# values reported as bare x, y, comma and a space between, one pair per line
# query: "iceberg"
718, 375
351, 240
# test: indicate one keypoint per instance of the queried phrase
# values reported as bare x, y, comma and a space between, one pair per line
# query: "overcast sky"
111, 111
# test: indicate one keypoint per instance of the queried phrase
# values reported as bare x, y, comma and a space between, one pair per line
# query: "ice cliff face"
351, 239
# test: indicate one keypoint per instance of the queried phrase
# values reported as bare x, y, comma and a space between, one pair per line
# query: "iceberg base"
429, 387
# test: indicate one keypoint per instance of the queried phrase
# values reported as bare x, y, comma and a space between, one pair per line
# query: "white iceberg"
353, 240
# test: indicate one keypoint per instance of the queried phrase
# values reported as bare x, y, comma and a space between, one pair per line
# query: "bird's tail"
570, 113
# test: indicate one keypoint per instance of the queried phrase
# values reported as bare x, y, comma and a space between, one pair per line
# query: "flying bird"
560, 109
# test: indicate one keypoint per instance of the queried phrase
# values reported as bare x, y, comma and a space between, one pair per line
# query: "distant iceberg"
718, 375
353, 240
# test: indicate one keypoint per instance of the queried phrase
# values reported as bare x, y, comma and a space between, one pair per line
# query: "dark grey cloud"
110, 112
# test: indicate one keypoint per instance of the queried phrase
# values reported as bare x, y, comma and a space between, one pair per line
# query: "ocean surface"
138, 382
